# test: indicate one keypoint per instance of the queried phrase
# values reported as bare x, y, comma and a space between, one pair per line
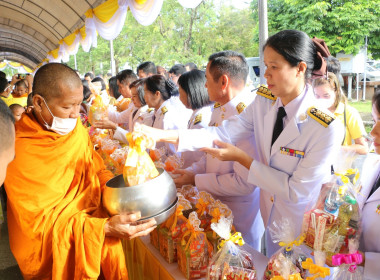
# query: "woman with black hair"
369, 244
294, 141
160, 95
141, 114
113, 89
194, 96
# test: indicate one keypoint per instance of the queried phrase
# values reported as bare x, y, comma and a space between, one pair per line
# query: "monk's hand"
186, 177
128, 226
105, 124
229, 152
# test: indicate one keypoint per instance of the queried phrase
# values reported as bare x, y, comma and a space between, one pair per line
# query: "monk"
57, 226
7, 139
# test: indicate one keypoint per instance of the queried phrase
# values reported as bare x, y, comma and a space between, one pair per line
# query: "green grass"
361, 106
365, 108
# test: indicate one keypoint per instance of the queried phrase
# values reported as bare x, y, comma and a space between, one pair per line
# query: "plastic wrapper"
119, 157
335, 218
173, 162
286, 263
173, 230
193, 250
348, 263
317, 270
108, 146
203, 208
98, 111
218, 210
231, 261
138, 167
158, 154
191, 193
123, 104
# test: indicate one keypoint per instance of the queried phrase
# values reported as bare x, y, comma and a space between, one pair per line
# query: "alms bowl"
150, 198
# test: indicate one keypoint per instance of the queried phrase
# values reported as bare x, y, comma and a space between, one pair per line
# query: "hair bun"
170, 86
320, 68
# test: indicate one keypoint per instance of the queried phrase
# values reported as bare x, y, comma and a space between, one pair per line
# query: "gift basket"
286, 263
138, 167
172, 231
203, 208
335, 218
193, 250
231, 261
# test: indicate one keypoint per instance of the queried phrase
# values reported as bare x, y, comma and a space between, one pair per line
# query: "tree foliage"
178, 35
343, 24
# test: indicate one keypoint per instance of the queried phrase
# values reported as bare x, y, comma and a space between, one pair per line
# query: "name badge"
292, 152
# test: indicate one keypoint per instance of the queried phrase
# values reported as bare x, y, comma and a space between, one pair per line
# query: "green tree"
342, 24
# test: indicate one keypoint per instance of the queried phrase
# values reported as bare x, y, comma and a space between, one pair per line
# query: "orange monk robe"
24, 95
55, 218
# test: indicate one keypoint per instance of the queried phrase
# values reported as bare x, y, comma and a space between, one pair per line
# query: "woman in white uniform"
140, 114
193, 94
295, 141
158, 95
370, 241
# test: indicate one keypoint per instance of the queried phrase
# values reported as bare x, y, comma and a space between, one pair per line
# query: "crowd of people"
231, 139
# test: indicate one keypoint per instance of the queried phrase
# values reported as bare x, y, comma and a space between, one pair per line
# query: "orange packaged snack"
173, 162
172, 231
123, 104
194, 250
203, 207
98, 111
158, 154
138, 167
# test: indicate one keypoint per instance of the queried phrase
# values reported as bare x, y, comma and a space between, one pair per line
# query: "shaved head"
7, 121
52, 77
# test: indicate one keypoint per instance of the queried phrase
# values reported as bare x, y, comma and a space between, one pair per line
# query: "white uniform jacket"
143, 115
171, 115
121, 117
289, 179
199, 119
370, 241
227, 180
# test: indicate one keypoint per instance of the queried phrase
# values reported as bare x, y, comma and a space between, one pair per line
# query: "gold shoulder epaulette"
164, 110
216, 105
265, 92
240, 107
150, 110
320, 116
198, 118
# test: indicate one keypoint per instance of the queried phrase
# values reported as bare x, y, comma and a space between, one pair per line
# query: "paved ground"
8, 266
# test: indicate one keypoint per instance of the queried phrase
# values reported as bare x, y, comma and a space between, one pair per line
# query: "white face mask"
325, 103
60, 125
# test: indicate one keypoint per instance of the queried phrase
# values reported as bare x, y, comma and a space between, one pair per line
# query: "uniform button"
223, 109
222, 116
271, 199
